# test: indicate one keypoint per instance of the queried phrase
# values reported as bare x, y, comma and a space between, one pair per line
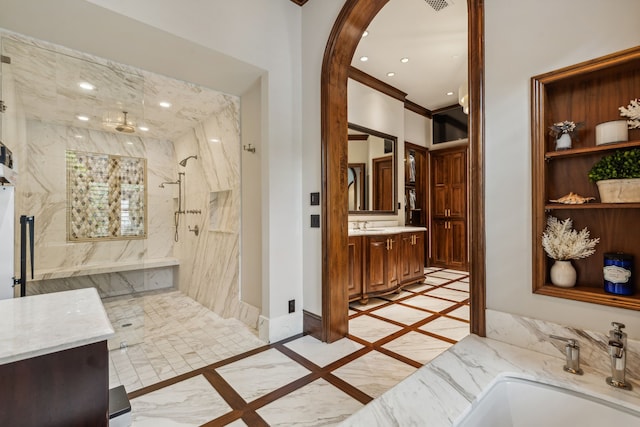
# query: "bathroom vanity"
54, 363
383, 260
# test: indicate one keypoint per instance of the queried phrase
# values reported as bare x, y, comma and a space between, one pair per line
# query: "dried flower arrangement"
566, 126
561, 242
632, 111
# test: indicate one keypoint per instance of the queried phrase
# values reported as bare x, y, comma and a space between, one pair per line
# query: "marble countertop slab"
385, 230
43, 324
443, 390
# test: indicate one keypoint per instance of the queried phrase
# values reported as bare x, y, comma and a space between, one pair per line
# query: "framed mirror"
371, 171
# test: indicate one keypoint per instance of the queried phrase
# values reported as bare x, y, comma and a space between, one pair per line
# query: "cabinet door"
391, 265
354, 287
458, 250
457, 167
439, 185
417, 256
375, 264
439, 243
406, 261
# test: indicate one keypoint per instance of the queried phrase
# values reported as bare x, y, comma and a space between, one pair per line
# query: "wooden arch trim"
353, 19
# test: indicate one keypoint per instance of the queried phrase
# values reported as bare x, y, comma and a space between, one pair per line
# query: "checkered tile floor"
180, 375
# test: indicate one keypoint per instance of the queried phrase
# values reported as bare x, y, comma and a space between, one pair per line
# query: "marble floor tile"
458, 285
262, 373
374, 373
322, 353
191, 402
416, 346
395, 297
431, 280
449, 274
450, 294
429, 303
316, 404
371, 303
371, 329
461, 312
401, 314
460, 272
447, 327
418, 287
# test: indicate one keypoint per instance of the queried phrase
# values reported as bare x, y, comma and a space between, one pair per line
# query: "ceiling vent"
438, 5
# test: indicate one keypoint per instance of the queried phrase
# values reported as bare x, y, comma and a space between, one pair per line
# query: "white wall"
417, 129
523, 41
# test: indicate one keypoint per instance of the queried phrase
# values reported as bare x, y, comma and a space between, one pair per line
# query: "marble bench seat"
103, 268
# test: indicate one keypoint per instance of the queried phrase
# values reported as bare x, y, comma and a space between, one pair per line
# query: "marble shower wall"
210, 262
42, 192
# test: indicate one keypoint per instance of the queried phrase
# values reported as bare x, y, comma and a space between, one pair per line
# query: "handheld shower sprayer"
183, 162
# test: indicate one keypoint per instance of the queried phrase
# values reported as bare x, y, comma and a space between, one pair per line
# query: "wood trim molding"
448, 107
353, 19
477, 266
368, 80
418, 109
312, 324
300, 2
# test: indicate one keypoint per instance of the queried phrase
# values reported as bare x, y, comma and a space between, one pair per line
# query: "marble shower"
206, 266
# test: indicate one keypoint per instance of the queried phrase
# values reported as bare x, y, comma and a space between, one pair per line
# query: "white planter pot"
563, 142
563, 274
619, 190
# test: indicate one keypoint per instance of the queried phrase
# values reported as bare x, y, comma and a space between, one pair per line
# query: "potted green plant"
618, 176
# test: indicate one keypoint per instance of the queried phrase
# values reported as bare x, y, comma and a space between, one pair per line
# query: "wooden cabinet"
411, 264
355, 259
449, 208
381, 264
589, 92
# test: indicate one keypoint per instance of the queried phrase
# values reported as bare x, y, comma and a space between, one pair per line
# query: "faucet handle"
572, 354
617, 326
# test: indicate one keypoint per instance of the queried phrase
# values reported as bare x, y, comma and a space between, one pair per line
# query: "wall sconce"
463, 97
250, 148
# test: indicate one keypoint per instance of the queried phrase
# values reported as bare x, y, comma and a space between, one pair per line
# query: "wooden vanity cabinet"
355, 259
411, 263
381, 264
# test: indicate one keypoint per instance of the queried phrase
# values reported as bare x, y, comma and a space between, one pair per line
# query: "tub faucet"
618, 353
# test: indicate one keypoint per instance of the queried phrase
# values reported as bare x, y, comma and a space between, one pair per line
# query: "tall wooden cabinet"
415, 185
589, 92
449, 208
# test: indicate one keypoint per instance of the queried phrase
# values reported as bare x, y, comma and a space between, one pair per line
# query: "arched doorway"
353, 19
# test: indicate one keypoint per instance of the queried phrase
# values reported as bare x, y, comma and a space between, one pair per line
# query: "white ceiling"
434, 42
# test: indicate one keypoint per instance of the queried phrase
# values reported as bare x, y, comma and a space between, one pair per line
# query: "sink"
516, 402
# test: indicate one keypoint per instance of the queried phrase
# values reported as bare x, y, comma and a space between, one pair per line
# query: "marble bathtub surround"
533, 334
297, 381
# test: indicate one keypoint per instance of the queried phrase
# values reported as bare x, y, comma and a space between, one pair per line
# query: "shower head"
183, 162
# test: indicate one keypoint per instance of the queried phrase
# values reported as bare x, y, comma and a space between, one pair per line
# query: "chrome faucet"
618, 353
572, 354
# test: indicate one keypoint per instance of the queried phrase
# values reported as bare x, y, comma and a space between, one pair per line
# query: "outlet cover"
292, 305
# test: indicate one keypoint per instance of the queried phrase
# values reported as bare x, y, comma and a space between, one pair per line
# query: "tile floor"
194, 368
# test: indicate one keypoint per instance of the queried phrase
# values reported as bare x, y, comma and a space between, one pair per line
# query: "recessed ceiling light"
449, 93
404, 60
214, 140
82, 118
365, 34
129, 142
364, 58
165, 104
143, 128
391, 74
86, 86
78, 136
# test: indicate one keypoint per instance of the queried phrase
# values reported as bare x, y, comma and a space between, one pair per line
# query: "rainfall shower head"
183, 162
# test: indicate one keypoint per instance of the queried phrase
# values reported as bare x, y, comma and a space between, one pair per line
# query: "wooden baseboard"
312, 324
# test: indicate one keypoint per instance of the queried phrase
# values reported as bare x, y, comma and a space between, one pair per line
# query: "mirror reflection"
371, 171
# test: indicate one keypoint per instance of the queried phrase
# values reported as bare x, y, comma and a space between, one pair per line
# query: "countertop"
42, 324
443, 390
385, 230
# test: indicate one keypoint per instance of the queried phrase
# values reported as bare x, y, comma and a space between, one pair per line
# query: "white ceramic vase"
563, 274
563, 142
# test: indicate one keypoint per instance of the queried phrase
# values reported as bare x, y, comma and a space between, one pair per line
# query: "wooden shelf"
572, 152
592, 295
561, 206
